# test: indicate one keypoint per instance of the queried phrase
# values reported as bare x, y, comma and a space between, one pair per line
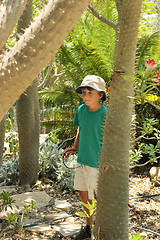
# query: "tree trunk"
10, 11
113, 184
36, 48
2, 136
28, 120
28, 129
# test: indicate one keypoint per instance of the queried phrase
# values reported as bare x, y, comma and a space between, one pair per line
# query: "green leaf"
81, 214
135, 236
158, 144
85, 204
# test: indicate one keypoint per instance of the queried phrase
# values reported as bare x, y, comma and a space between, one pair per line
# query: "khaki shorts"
86, 179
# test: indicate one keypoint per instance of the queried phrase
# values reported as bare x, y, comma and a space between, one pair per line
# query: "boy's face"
91, 97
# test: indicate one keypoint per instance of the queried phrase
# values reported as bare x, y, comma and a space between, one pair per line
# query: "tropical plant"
9, 171
10, 120
18, 220
147, 83
12, 219
135, 236
12, 140
85, 51
147, 144
58, 111
148, 47
49, 159
91, 214
147, 92
82, 53
51, 166
91, 209
5, 201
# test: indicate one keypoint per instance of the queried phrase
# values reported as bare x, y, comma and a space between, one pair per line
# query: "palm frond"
146, 48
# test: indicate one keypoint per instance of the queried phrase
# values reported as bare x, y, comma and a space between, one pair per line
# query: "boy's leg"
85, 231
85, 182
83, 195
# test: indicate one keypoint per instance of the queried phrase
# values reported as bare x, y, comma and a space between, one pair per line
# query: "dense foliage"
89, 49
51, 164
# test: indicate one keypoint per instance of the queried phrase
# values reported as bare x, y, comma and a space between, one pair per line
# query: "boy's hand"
69, 151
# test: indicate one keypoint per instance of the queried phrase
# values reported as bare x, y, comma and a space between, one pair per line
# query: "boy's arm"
76, 141
69, 151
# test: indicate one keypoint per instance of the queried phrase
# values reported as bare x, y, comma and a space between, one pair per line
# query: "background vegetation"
89, 49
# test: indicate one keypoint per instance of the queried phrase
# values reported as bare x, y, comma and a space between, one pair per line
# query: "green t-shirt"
91, 134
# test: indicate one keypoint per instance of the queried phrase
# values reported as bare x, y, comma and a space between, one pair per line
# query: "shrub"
51, 165
9, 171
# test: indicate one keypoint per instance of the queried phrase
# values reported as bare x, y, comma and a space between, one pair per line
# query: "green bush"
51, 165
12, 139
147, 143
135, 236
5, 201
9, 171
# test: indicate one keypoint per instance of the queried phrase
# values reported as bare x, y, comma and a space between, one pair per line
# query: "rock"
63, 205
56, 216
157, 227
40, 228
155, 175
9, 189
143, 234
41, 198
66, 229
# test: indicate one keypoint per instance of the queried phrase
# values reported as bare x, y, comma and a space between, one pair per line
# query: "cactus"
10, 11
2, 136
36, 47
27, 108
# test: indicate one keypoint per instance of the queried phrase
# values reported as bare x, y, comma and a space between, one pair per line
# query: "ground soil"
143, 212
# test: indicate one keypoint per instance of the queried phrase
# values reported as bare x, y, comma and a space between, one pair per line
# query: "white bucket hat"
95, 82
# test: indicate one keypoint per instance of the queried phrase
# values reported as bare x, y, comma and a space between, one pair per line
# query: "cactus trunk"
28, 120
2, 137
10, 12
113, 184
36, 48
28, 129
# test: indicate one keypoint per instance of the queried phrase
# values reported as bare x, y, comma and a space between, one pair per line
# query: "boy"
90, 119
